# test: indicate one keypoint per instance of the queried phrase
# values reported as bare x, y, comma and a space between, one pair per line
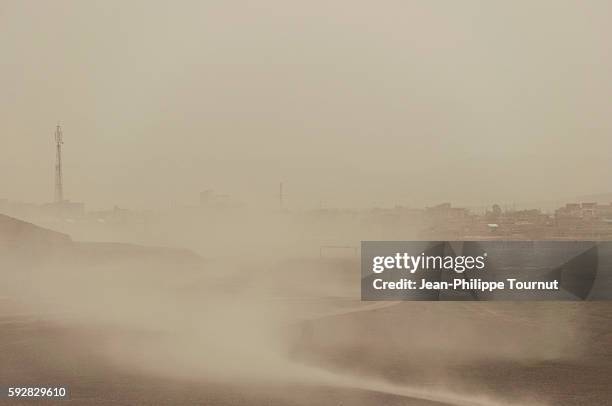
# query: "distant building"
64, 209
210, 199
585, 211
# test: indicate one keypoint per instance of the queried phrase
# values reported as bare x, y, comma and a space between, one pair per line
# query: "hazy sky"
348, 102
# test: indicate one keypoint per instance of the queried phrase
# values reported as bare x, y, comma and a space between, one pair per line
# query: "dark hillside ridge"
14, 232
24, 241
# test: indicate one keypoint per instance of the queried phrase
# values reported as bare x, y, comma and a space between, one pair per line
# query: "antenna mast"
59, 187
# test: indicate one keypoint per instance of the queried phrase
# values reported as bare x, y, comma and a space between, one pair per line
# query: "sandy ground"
35, 351
128, 325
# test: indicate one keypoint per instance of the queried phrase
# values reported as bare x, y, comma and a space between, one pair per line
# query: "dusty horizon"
350, 105
467, 110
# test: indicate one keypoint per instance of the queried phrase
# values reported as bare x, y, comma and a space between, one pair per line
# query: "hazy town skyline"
349, 104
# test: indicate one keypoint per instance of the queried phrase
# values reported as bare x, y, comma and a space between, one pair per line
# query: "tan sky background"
350, 103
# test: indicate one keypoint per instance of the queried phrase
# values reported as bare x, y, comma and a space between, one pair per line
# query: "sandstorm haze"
349, 103
152, 293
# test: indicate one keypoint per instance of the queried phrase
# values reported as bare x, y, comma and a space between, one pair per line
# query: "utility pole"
59, 186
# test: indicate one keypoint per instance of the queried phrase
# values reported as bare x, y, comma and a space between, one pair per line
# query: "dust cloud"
152, 296
276, 321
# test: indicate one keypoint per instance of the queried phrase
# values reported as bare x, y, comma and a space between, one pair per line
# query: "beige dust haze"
352, 104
